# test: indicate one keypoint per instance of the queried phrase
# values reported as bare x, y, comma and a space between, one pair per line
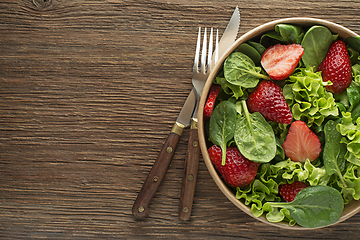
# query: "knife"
193, 149
156, 175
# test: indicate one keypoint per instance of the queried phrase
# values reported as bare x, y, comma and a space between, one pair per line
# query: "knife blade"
156, 175
193, 149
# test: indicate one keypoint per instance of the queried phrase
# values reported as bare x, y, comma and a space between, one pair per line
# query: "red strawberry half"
336, 67
279, 61
237, 171
268, 99
210, 102
289, 191
301, 143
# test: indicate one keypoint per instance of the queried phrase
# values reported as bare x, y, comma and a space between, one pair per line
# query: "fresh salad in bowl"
282, 124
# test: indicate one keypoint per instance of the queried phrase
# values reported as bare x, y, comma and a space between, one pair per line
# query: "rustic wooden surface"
89, 91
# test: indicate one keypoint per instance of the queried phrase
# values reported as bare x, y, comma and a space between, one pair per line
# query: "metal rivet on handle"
169, 149
195, 143
141, 209
155, 179
185, 209
190, 177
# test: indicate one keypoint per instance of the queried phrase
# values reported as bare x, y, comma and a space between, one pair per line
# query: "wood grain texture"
89, 91
155, 177
191, 168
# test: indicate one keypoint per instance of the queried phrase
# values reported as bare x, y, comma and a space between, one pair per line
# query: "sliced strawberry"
268, 99
301, 143
289, 191
336, 67
210, 102
237, 171
279, 61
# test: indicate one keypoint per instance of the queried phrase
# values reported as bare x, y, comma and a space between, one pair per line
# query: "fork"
193, 151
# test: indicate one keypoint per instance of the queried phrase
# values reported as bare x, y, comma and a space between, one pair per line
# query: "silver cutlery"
199, 79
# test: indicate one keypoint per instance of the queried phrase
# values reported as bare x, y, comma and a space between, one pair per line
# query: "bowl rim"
350, 209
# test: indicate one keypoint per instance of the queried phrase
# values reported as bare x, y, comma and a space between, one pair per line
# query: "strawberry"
279, 61
289, 191
301, 143
336, 67
238, 171
268, 99
210, 102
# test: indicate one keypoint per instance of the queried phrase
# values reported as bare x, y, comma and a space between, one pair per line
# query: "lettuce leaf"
356, 72
307, 97
265, 187
351, 133
352, 180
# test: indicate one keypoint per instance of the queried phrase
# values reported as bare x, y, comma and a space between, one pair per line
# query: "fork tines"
205, 66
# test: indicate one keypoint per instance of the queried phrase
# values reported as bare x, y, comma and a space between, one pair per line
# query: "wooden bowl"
350, 209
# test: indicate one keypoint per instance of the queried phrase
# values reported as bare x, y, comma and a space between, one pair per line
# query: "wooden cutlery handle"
141, 206
190, 174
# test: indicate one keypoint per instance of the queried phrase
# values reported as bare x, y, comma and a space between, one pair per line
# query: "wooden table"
89, 91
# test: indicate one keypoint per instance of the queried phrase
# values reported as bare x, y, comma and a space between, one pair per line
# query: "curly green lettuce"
351, 133
307, 97
351, 189
352, 180
356, 72
265, 187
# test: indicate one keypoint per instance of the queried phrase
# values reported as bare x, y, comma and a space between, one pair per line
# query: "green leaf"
265, 187
260, 48
290, 33
254, 136
228, 88
356, 73
353, 42
351, 131
334, 151
308, 99
222, 125
271, 38
352, 179
354, 55
249, 51
316, 206
316, 42
240, 70
353, 95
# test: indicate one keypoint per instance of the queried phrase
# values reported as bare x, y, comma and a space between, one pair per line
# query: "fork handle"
157, 173
190, 173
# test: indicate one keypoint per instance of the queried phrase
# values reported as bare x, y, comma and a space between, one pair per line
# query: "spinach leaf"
316, 206
353, 95
334, 151
222, 125
271, 38
280, 153
316, 42
353, 42
354, 56
290, 33
249, 51
284, 33
228, 88
240, 70
254, 136
260, 48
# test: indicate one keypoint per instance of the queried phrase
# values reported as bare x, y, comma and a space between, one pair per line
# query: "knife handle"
190, 173
157, 173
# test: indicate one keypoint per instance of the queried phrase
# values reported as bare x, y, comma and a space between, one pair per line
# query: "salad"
282, 120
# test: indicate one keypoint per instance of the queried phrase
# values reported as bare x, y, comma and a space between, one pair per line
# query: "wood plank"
89, 91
